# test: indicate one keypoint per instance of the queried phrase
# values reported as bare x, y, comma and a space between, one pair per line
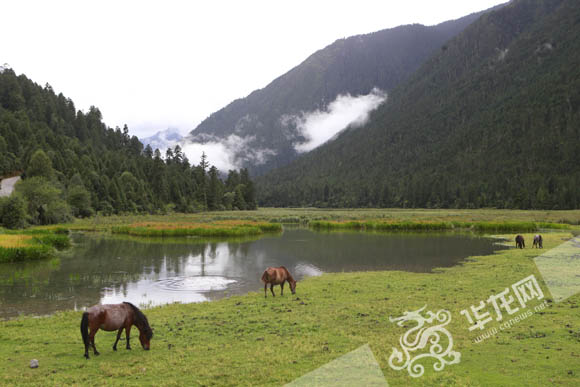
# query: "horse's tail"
85, 328
265, 277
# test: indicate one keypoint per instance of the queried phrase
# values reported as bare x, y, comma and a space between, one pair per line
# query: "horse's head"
145, 331
292, 286
145, 335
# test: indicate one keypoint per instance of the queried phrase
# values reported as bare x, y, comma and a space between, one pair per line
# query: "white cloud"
226, 153
317, 127
216, 153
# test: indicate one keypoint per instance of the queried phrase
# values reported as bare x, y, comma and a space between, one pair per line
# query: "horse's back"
274, 275
108, 317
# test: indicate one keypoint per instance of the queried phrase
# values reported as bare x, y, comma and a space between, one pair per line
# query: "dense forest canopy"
73, 164
491, 120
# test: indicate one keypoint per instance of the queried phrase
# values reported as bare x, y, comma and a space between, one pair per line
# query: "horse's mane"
141, 320
287, 273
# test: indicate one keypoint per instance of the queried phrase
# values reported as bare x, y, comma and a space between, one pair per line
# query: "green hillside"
493, 119
74, 165
354, 65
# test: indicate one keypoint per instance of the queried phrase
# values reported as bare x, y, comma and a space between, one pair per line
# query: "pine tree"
249, 191
239, 202
40, 166
214, 192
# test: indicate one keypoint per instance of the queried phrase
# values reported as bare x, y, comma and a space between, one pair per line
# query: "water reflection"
106, 269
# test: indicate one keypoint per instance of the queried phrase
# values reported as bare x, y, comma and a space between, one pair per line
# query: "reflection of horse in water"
277, 276
114, 317
520, 242
538, 242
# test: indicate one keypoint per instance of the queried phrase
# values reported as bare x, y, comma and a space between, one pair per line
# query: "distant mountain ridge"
163, 139
352, 66
492, 120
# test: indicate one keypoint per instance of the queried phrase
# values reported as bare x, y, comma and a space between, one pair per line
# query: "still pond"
102, 268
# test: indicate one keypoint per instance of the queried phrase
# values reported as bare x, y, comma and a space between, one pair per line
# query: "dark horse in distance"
114, 317
538, 242
277, 276
520, 242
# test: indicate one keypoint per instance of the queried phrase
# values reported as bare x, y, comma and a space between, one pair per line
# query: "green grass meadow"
250, 340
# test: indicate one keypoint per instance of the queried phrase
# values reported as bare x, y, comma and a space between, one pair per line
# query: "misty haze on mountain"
320, 126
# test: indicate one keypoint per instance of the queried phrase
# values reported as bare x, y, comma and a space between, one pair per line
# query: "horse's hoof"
97, 353
115, 349
87, 357
129, 348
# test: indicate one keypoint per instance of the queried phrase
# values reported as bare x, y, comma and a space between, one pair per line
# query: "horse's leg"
118, 337
128, 336
265, 290
272, 290
92, 340
87, 345
282, 289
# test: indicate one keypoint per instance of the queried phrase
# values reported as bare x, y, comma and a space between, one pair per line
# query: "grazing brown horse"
114, 317
537, 242
520, 242
277, 276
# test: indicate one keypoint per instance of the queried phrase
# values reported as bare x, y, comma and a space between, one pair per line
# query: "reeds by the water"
27, 253
381, 226
29, 245
199, 230
435, 226
58, 241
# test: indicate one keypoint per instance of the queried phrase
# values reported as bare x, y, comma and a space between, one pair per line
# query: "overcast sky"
159, 64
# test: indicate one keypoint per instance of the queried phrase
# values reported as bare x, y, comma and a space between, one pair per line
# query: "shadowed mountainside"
492, 120
354, 66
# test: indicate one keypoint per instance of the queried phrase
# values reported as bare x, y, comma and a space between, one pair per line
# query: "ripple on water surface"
183, 289
307, 270
194, 284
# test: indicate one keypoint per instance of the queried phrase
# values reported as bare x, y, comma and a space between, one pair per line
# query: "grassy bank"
307, 215
30, 245
249, 340
214, 229
407, 225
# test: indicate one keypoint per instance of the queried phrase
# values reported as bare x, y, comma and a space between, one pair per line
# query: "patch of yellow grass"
10, 240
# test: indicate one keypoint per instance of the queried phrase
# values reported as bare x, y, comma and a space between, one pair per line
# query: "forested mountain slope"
493, 119
73, 164
354, 65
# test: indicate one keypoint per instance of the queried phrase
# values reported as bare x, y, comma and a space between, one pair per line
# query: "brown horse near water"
277, 276
114, 317
520, 243
537, 242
